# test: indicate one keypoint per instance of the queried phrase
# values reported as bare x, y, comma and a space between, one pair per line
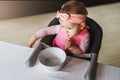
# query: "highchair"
92, 52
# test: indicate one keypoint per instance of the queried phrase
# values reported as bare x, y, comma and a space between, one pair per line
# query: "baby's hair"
74, 7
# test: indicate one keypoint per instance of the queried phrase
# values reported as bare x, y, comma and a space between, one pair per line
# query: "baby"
72, 32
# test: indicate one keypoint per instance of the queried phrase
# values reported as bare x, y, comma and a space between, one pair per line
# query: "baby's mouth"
69, 36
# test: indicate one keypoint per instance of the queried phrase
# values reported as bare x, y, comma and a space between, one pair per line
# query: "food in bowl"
52, 58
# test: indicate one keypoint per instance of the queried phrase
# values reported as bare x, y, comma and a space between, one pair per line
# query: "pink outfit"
81, 39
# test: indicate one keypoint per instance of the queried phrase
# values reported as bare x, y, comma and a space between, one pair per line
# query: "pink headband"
74, 18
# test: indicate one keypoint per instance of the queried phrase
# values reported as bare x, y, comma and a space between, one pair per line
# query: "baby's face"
71, 29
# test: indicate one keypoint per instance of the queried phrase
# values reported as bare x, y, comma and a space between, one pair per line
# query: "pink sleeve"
85, 43
47, 31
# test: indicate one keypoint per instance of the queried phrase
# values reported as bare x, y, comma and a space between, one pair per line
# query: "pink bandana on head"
73, 18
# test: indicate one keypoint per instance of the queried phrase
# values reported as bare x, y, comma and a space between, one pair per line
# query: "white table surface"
13, 57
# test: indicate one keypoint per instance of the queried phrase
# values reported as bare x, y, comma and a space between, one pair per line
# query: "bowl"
52, 58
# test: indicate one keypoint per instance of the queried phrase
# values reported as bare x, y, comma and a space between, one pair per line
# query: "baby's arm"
43, 32
32, 41
85, 43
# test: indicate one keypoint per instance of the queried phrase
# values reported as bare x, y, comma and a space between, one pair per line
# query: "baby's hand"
69, 43
31, 41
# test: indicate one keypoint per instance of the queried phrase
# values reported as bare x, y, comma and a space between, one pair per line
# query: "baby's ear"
82, 25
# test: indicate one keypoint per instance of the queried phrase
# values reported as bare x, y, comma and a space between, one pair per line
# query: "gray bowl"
52, 58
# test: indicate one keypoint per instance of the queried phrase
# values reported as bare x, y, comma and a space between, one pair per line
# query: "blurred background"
13, 9
19, 20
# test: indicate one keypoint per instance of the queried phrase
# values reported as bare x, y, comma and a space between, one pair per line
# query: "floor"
19, 30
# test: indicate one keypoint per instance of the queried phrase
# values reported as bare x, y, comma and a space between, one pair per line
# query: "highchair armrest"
92, 68
32, 59
91, 71
83, 56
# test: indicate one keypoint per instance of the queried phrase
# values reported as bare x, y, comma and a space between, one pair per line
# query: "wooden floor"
19, 30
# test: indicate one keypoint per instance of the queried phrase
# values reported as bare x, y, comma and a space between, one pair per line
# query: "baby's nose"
66, 31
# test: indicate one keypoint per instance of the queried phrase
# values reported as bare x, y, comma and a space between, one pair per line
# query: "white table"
12, 67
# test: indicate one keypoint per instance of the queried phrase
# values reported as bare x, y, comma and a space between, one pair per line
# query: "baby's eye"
66, 27
69, 28
63, 26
